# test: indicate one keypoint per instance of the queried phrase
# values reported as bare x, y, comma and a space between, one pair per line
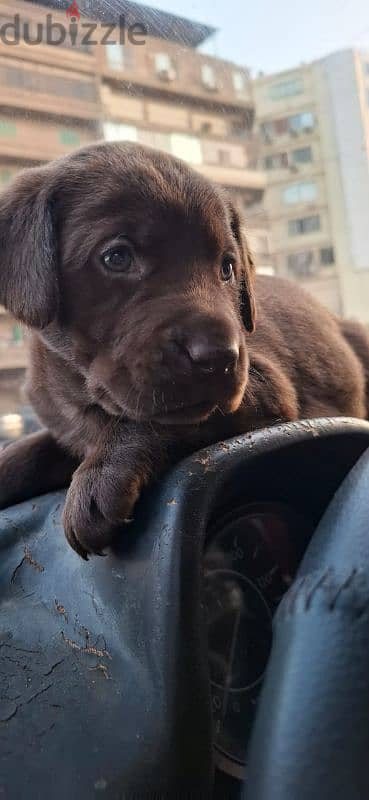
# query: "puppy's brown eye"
118, 259
226, 270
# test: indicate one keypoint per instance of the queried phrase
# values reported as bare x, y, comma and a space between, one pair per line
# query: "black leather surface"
311, 737
103, 666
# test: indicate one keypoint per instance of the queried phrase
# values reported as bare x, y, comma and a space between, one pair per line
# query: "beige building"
164, 93
314, 146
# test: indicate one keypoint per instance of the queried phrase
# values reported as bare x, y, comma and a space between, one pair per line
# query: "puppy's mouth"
169, 404
185, 415
180, 413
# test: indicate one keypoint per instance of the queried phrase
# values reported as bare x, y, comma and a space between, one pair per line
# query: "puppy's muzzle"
202, 355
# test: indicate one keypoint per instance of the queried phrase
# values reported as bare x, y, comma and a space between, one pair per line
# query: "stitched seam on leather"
336, 594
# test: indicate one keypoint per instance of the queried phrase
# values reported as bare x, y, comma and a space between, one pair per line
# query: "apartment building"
313, 123
162, 92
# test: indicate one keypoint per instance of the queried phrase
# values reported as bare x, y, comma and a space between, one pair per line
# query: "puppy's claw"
74, 543
96, 509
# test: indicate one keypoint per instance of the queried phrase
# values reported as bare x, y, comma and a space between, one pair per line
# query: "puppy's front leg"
32, 466
108, 483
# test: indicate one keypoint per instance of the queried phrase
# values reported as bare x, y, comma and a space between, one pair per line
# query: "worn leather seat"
104, 672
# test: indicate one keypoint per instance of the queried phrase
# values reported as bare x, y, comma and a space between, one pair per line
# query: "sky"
271, 36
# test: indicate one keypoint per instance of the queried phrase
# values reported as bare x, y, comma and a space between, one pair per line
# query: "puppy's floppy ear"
28, 269
247, 292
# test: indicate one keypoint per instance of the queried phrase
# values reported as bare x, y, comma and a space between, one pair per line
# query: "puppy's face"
147, 268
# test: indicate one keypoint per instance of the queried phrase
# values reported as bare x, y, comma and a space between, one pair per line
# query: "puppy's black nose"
212, 357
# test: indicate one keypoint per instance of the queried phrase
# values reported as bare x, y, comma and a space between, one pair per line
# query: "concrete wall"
344, 141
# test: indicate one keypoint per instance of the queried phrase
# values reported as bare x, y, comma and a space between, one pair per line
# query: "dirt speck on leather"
30, 560
60, 609
224, 446
204, 460
101, 668
87, 648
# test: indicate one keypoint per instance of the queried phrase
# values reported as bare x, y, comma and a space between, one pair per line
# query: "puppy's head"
134, 268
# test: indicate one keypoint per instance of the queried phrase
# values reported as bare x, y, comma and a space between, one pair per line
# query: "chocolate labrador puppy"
150, 336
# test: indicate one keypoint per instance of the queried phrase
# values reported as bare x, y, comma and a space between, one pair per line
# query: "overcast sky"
272, 36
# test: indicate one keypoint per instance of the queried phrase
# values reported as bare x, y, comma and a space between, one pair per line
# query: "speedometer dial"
250, 562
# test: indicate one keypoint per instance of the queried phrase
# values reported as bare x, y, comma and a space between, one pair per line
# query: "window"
277, 127
303, 155
301, 123
224, 157
17, 334
239, 81
298, 123
5, 176
267, 131
276, 161
302, 264
50, 83
157, 139
165, 66
116, 132
69, 137
7, 128
238, 127
162, 62
208, 76
286, 89
297, 227
115, 55
304, 192
327, 256
280, 126
186, 147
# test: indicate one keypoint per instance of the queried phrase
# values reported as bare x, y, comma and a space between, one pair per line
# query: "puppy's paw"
99, 500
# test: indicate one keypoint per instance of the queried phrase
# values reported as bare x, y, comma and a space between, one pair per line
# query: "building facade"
161, 92
313, 125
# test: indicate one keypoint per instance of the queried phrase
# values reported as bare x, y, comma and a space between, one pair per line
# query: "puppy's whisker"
249, 396
128, 395
138, 411
254, 371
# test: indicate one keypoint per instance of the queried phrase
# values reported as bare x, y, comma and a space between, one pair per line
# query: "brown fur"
130, 371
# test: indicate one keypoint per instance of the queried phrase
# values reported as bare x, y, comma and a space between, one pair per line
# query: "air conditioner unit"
167, 75
210, 85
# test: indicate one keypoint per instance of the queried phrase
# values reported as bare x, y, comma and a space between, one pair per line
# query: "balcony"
13, 358
48, 90
25, 139
163, 69
233, 178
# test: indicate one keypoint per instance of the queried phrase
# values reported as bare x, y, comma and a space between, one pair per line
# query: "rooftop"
160, 24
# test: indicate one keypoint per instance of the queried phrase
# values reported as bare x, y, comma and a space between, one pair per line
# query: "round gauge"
250, 562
